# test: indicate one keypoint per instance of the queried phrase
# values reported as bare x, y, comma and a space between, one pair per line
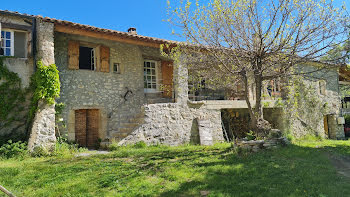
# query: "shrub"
113, 146
13, 149
250, 135
65, 148
140, 144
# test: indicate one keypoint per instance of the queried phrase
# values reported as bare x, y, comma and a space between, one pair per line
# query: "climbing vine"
12, 99
45, 84
10, 93
303, 106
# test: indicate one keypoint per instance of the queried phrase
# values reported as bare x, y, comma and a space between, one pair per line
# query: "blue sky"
146, 15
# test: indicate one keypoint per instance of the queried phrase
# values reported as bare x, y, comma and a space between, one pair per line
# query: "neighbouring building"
117, 87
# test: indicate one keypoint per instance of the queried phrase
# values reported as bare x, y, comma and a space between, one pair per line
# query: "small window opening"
86, 58
116, 68
322, 86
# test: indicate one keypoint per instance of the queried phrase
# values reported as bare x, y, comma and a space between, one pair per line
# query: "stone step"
159, 100
125, 130
129, 125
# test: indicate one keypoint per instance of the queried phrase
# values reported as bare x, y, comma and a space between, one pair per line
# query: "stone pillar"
181, 83
43, 129
45, 42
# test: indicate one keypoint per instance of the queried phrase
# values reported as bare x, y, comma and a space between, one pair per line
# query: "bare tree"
251, 41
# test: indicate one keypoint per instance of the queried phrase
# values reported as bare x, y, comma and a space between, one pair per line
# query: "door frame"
102, 129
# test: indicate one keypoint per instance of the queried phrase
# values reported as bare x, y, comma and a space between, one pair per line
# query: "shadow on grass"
288, 171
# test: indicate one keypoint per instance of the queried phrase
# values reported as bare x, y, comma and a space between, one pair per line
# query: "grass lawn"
300, 169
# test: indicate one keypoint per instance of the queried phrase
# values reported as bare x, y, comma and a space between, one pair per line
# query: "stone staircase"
128, 123
153, 98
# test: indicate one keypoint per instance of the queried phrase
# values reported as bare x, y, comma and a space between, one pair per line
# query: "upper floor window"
14, 43
86, 58
150, 75
7, 43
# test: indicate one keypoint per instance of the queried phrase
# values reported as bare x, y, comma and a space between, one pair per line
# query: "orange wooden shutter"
104, 59
167, 75
73, 55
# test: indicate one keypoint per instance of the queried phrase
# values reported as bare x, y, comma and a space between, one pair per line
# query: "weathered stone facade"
321, 109
86, 89
125, 112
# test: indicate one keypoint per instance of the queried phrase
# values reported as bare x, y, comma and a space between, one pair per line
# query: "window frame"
151, 90
94, 50
118, 66
12, 40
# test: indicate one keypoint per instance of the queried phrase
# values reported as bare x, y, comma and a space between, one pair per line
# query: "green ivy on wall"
12, 103
11, 95
304, 105
45, 84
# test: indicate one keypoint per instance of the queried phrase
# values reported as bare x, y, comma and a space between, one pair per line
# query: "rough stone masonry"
43, 130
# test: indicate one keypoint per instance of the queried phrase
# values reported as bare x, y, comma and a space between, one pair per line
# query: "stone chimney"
132, 30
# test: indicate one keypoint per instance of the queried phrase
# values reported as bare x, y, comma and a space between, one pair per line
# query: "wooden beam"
16, 26
101, 35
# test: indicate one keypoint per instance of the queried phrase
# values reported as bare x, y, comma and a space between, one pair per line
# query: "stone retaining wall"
174, 124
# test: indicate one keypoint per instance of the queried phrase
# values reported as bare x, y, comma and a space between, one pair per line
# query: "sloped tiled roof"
92, 28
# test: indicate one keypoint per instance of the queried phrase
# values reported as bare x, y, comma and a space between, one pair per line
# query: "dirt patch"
341, 163
89, 153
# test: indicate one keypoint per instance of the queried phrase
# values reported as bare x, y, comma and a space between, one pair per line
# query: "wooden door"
92, 117
86, 127
325, 122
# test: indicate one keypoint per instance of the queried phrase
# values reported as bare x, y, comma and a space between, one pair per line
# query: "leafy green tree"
252, 41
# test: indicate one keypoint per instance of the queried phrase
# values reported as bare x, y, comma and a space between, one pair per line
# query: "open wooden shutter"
104, 59
167, 75
73, 55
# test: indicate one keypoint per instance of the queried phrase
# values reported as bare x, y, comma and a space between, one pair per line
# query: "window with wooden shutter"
104, 54
167, 75
73, 55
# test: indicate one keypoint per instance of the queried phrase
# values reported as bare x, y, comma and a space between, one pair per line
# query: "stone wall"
309, 118
173, 124
24, 67
43, 129
85, 89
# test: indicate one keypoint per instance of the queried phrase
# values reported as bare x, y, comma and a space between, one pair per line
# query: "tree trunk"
260, 126
253, 120
258, 90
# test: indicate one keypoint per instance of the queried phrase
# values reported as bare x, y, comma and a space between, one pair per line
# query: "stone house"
116, 86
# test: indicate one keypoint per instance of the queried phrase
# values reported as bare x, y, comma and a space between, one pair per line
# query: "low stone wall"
175, 124
256, 145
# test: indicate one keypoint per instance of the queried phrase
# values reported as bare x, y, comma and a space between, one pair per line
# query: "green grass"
299, 169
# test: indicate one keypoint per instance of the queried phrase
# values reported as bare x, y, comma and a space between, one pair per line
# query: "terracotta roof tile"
92, 28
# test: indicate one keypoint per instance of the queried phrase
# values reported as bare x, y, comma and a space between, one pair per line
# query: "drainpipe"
34, 33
